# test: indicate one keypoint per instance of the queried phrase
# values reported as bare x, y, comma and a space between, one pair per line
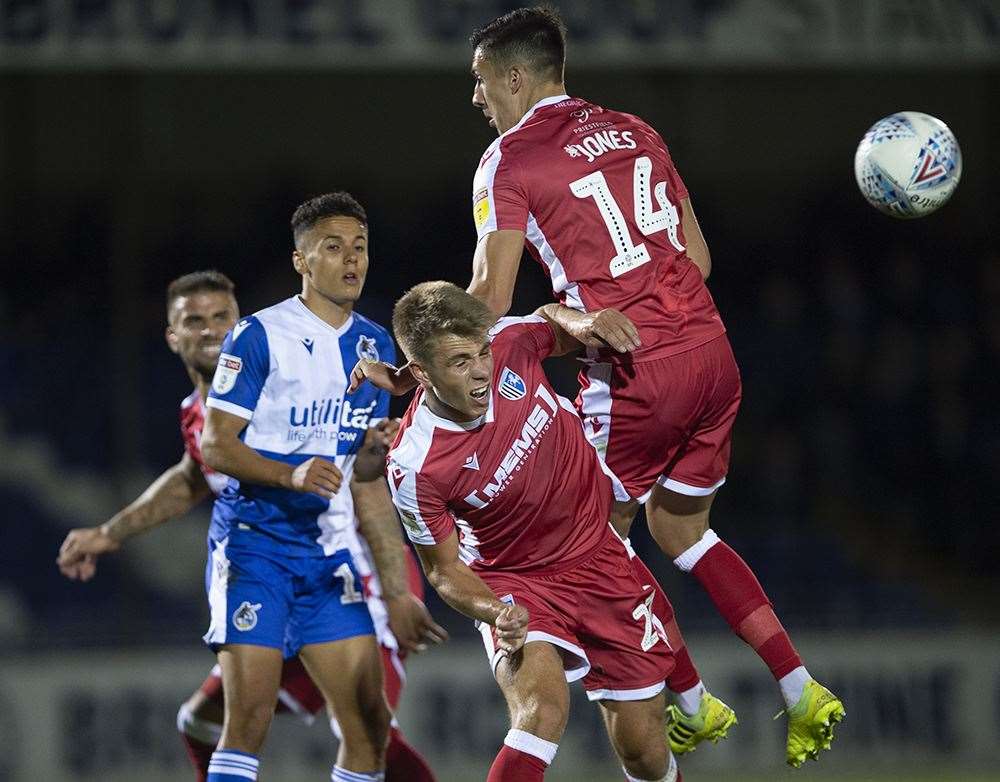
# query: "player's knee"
676, 534
544, 718
248, 722
646, 761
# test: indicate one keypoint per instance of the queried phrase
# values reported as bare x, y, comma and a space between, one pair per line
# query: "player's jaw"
341, 285
203, 357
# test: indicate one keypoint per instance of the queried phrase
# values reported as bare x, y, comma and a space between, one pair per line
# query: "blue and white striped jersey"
286, 371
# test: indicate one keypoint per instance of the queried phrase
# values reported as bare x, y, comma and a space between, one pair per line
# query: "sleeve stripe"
404, 495
229, 407
489, 172
504, 323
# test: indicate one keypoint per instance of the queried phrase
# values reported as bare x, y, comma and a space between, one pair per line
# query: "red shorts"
599, 616
667, 421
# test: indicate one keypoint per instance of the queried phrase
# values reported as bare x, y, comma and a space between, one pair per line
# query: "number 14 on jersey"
631, 256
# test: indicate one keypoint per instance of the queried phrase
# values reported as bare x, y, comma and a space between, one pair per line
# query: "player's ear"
299, 263
171, 338
419, 374
515, 80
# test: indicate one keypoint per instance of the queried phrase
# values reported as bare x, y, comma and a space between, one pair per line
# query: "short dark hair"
431, 309
196, 282
535, 36
336, 204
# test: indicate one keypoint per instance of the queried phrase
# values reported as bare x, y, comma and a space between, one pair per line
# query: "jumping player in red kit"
201, 308
594, 196
478, 473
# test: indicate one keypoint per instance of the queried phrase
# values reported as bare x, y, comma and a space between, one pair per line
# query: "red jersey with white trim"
522, 485
192, 424
598, 197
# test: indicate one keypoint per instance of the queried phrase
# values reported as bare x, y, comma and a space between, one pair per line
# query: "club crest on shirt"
366, 348
511, 385
226, 372
245, 617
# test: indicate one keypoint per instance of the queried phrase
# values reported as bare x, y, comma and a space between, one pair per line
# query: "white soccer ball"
908, 164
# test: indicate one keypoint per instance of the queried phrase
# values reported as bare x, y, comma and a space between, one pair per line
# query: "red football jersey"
192, 424
597, 195
522, 485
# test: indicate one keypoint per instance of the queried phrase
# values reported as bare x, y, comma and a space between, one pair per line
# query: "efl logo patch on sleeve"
481, 208
226, 372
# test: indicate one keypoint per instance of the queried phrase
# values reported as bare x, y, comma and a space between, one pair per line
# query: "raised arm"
467, 593
177, 490
494, 269
223, 450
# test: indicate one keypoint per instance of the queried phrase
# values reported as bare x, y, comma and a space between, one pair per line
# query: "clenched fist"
317, 475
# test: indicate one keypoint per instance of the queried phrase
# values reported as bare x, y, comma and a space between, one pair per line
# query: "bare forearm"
174, 493
498, 302
379, 526
466, 592
561, 316
233, 457
563, 321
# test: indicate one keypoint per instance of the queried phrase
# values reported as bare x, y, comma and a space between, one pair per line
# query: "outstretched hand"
381, 375
78, 553
412, 624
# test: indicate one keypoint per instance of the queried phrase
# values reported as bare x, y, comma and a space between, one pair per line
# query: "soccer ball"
908, 164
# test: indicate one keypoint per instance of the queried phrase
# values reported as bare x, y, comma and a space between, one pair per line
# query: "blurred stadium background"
140, 140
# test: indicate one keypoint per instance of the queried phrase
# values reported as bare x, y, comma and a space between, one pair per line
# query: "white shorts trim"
595, 408
640, 694
684, 488
576, 666
217, 602
397, 664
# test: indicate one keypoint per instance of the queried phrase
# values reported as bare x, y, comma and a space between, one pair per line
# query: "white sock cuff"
530, 744
671, 775
343, 775
689, 558
198, 728
233, 763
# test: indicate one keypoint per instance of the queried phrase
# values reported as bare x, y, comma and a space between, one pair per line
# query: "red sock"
512, 765
740, 599
403, 763
684, 676
199, 754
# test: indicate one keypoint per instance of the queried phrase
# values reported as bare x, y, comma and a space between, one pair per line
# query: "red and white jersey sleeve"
599, 198
192, 423
521, 484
